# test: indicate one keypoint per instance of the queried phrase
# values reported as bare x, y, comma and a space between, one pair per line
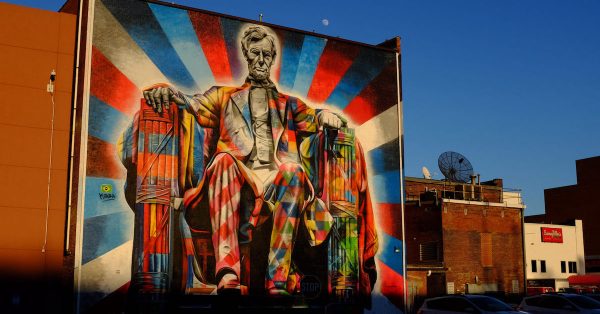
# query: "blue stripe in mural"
104, 233
384, 158
385, 187
363, 70
312, 48
290, 56
106, 122
230, 29
179, 30
99, 203
138, 20
390, 252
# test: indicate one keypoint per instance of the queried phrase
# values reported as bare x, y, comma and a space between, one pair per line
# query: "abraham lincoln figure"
258, 132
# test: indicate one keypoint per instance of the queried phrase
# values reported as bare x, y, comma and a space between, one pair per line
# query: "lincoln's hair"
254, 34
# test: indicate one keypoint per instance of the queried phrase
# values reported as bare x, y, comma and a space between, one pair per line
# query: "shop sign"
553, 235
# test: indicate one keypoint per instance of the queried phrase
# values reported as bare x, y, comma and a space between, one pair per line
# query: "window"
572, 267
583, 302
556, 302
533, 266
542, 266
534, 301
563, 267
489, 304
461, 305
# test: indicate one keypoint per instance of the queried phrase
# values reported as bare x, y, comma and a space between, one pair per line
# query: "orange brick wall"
32, 43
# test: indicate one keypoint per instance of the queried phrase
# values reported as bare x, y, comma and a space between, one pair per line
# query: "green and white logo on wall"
106, 188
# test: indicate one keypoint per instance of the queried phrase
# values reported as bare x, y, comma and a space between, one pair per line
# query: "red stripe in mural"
392, 283
374, 99
389, 218
111, 86
103, 160
337, 57
210, 36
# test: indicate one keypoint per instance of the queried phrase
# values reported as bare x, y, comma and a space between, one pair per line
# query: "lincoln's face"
260, 58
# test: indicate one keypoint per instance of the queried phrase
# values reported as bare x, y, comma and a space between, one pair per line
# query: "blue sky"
514, 85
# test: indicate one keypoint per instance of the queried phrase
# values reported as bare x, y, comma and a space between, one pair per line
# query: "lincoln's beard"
259, 74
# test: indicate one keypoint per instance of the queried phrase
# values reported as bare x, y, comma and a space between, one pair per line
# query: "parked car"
579, 290
478, 304
594, 296
560, 303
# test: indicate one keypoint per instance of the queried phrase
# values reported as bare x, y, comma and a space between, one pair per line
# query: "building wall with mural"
226, 156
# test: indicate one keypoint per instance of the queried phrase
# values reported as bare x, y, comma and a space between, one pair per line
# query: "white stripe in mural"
114, 42
379, 130
105, 274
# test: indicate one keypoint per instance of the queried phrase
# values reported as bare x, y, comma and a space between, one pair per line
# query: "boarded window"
486, 250
429, 252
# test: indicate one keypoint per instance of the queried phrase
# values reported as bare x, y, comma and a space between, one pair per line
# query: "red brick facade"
479, 243
471, 261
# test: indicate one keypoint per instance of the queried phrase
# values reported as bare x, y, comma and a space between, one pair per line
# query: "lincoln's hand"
331, 120
161, 95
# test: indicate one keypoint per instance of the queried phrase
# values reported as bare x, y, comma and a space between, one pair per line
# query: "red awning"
584, 280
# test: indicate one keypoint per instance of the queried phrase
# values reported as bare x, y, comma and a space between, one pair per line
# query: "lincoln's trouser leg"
287, 194
225, 183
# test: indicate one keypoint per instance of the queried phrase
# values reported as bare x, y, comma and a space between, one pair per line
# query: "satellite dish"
455, 167
426, 173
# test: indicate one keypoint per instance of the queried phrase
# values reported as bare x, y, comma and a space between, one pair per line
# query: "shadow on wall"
48, 294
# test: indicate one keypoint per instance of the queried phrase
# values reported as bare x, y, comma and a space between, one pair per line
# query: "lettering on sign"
553, 235
310, 286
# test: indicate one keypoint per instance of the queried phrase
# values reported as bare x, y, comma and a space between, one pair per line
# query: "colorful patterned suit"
232, 216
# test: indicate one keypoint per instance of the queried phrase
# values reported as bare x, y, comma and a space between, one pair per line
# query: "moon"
325, 22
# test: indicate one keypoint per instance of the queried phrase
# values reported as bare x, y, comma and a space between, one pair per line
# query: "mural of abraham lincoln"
265, 156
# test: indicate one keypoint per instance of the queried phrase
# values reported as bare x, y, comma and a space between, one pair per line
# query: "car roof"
551, 294
566, 295
464, 296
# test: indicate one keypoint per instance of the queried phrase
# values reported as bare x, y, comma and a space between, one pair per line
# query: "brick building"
579, 201
463, 238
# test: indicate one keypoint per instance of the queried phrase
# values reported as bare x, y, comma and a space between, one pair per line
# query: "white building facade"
553, 253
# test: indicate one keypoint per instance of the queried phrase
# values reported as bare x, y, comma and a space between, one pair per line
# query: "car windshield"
594, 296
490, 304
584, 302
